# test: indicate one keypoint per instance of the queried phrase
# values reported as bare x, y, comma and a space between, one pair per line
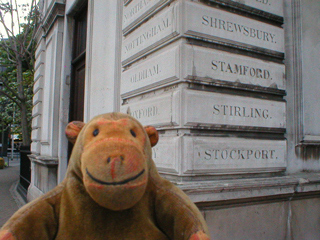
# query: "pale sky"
8, 18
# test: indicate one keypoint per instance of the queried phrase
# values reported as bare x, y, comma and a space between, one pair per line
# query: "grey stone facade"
230, 85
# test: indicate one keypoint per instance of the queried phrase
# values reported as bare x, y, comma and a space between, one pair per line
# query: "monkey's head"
112, 155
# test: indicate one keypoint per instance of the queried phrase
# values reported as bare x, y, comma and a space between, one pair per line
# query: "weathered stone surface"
150, 64
260, 221
205, 108
305, 218
211, 65
293, 185
150, 35
167, 154
216, 154
225, 27
198, 109
138, 10
153, 72
181, 62
271, 6
189, 19
158, 111
289, 207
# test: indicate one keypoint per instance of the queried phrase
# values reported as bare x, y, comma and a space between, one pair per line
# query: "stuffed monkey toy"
112, 191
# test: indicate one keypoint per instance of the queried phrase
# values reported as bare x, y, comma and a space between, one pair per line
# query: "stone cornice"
300, 185
247, 9
55, 10
44, 160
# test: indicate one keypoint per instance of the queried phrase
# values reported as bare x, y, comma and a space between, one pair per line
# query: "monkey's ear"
153, 135
73, 129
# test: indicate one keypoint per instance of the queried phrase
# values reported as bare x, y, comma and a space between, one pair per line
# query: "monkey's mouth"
114, 183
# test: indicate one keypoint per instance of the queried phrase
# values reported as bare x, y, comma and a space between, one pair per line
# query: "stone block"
138, 10
150, 35
200, 21
224, 27
38, 79
37, 109
232, 111
181, 62
36, 134
155, 71
167, 154
305, 219
261, 221
210, 155
158, 111
40, 59
226, 68
37, 96
36, 122
46, 177
35, 147
210, 110
214, 155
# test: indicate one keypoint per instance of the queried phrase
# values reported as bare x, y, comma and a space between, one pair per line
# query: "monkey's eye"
133, 133
95, 132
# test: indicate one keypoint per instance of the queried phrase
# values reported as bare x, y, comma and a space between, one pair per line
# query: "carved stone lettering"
239, 69
237, 154
155, 71
237, 28
222, 109
200, 63
148, 34
138, 9
217, 24
145, 73
153, 32
209, 109
146, 112
210, 155
243, 111
214, 154
134, 9
156, 111
214, 64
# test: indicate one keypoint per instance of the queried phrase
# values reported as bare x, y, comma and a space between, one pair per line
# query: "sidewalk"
10, 200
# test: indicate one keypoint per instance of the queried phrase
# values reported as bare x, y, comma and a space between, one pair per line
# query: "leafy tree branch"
16, 61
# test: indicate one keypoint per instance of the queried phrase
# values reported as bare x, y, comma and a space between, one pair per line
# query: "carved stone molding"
300, 185
44, 160
297, 68
56, 10
260, 9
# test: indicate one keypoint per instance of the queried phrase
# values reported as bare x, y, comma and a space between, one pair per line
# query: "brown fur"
112, 190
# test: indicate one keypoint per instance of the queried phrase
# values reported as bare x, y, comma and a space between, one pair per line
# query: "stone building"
231, 85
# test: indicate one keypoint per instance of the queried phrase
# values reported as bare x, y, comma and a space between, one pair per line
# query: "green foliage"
16, 66
9, 103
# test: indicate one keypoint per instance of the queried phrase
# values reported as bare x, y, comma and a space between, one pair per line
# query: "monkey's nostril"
122, 158
108, 160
